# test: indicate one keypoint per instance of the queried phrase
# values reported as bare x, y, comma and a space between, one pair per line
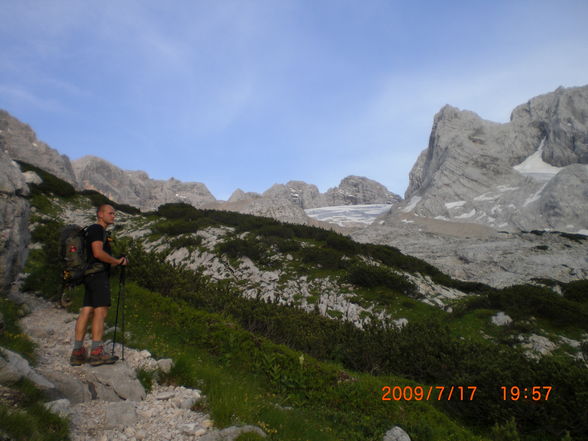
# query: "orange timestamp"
426, 393
516, 393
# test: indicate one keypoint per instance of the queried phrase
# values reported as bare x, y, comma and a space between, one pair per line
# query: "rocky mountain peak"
359, 190
136, 187
499, 174
20, 142
561, 117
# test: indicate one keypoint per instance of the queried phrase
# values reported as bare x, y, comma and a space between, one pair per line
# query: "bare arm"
99, 253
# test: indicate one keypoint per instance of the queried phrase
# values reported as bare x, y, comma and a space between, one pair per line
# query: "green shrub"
576, 291
522, 301
175, 227
236, 248
186, 242
179, 210
370, 276
44, 266
326, 258
275, 230
287, 246
50, 183
98, 199
342, 243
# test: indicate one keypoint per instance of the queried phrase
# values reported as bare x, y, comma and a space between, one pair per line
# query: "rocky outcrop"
530, 173
475, 252
298, 193
239, 195
357, 190
20, 142
287, 202
14, 217
353, 190
135, 187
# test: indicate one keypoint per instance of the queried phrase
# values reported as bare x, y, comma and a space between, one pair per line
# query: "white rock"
145, 353
396, 434
165, 365
501, 319
165, 396
60, 407
187, 429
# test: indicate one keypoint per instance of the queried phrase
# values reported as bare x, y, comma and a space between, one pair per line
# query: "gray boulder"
165, 365
117, 381
121, 415
13, 367
61, 407
70, 387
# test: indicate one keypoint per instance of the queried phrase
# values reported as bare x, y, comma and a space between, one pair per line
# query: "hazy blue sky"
249, 93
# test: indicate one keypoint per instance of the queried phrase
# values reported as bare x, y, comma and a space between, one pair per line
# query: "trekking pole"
122, 278
120, 284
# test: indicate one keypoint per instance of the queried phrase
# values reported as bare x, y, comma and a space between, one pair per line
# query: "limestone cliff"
135, 187
530, 173
14, 217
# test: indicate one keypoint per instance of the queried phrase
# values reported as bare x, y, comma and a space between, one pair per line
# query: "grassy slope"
219, 351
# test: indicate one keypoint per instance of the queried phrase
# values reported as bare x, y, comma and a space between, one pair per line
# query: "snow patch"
343, 215
504, 188
534, 197
466, 215
455, 204
486, 197
536, 168
584, 232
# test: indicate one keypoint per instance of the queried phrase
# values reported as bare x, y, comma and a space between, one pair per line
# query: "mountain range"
474, 193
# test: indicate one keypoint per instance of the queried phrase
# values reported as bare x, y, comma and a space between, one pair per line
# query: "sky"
249, 93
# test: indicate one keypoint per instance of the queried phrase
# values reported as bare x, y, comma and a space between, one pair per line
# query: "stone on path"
13, 367
122, 414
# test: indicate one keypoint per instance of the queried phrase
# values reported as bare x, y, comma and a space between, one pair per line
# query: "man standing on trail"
97, 290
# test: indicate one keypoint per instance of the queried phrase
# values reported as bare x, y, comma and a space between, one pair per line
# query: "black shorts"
97, 290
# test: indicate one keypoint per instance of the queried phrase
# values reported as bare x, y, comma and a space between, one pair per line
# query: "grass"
13, 338
249, 380
28, 419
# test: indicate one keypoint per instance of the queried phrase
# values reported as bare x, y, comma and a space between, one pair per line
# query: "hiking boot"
99, 357
78, 357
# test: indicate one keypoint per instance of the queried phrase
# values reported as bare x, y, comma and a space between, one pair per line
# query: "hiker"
97, 290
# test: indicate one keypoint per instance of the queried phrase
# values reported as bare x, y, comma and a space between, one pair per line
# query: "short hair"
101, 207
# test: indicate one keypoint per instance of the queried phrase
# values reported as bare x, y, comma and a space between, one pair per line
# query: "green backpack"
73, 253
